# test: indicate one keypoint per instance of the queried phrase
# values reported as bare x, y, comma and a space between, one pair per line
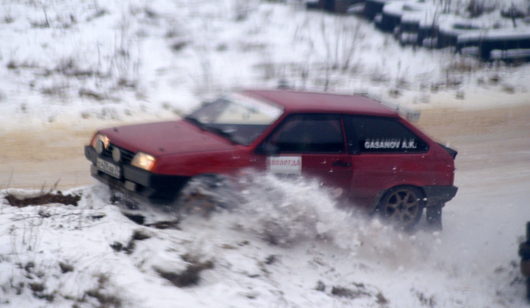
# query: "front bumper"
438, 195
154, 188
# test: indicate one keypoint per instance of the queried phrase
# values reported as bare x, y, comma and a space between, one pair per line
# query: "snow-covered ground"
68, 66
284, 245
82, 60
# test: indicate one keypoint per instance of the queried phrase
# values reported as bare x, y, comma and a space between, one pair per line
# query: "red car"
361, 148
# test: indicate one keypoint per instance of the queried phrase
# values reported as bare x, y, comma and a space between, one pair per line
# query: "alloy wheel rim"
402, 206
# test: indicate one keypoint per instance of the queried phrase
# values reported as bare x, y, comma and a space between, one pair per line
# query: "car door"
312, 145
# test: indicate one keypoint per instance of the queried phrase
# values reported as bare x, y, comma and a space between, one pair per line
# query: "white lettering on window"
390, 144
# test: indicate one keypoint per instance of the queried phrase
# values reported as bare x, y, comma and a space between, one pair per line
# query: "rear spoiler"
451, 152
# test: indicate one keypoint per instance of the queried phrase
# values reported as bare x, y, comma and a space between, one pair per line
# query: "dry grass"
44, 198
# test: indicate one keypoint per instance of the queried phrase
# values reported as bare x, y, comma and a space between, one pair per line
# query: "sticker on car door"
285, 164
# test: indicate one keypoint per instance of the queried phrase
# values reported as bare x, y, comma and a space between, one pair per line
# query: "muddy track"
37, 157
491, 138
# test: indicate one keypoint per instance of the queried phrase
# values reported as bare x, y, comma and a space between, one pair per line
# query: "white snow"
285, 244
521, 33
115, 60
468, 264
512, 53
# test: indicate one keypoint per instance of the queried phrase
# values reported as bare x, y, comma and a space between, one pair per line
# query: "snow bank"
115, 60
285, 243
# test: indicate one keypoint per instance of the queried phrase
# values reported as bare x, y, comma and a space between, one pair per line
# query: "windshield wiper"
223, 133
195, 122
213, 129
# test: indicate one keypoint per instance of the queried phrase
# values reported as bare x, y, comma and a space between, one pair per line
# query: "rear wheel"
402, 206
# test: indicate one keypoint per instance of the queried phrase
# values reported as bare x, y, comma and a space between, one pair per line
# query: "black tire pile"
524, 252
486, 44
333, 6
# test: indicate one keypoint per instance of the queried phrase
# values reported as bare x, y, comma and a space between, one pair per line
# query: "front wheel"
207, 193
402, 206
199, 195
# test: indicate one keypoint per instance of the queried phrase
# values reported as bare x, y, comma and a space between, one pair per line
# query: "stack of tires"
333, 6
524, 252
372, 8
450, 32
412, 22
420, 23
390, 17
313, 5
506, 46
469, 42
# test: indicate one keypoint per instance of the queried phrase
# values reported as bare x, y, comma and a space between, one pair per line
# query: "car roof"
300, 101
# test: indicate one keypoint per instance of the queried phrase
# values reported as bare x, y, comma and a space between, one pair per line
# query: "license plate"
109, 168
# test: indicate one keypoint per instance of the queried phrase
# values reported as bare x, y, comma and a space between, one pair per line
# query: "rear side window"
381, 135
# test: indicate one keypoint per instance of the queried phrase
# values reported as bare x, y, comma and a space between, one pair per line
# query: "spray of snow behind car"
290, 211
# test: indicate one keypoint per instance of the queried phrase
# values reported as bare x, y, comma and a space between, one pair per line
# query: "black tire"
524, 250
198, 195
525, 268
402, 206
528, 289
372, 8
205, 194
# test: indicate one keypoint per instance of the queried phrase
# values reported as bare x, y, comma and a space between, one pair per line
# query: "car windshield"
239, 118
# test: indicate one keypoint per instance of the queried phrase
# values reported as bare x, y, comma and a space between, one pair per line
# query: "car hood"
172, 137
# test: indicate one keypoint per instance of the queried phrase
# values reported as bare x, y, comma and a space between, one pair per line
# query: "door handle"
341, 163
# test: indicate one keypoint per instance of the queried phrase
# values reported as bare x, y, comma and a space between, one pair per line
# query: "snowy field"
67, 67
284, 245
77, 61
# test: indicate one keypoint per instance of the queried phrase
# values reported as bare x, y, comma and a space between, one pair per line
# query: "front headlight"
100, 142
143, 161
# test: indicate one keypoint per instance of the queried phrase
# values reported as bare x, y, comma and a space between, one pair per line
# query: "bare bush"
91, 94
331, 50
475, 8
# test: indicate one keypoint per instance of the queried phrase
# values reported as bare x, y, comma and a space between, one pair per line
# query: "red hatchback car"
361, 148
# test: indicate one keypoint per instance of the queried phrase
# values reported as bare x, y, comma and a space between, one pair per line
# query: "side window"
382, 135
308, 134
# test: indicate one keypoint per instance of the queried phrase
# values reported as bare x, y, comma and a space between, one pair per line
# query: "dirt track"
492, 139
45, 156
37, 157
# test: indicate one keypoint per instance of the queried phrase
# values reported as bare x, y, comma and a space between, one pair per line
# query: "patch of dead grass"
43, 198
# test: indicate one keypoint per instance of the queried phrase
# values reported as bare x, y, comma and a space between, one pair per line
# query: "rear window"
381, 135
